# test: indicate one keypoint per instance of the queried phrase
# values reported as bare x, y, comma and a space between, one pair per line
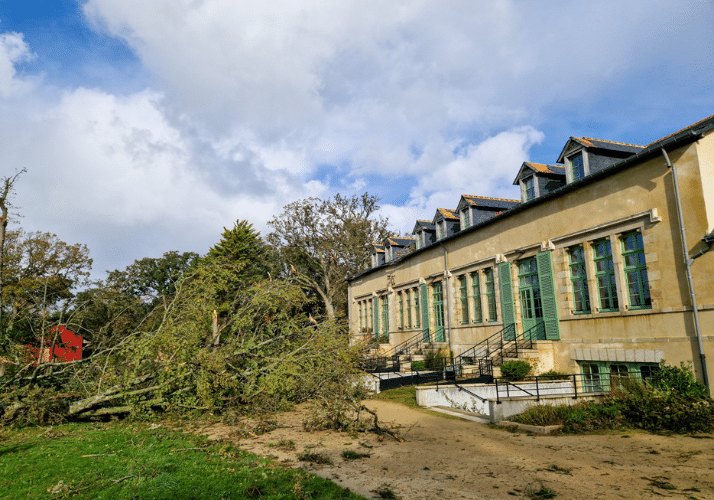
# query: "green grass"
403, 395
120, 460
407, 397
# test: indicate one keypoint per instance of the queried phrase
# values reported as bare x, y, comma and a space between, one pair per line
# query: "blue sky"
149, 125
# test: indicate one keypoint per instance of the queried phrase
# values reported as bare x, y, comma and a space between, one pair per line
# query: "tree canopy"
40, 271
325, 241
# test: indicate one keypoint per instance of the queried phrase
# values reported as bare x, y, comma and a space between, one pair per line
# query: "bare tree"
6, 191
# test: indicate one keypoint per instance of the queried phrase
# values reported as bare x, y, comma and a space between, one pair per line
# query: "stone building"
590, 262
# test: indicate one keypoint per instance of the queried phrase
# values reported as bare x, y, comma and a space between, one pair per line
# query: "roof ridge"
488, 197
545, 164
611, 142
681, 130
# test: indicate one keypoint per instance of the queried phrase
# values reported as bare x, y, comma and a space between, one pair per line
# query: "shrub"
679, 380
516, 370
655, 410
673, 402
554, 375
434, 358
585, 416
418, 365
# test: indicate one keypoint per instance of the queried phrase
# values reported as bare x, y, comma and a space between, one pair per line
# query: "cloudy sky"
149, 125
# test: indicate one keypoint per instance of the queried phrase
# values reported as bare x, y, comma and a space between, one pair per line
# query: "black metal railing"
388, 361
394, 380
486, 348
521, 341
380, 364
579, 384
418, 341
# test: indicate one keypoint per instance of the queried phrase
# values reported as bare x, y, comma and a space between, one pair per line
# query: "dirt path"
451, 458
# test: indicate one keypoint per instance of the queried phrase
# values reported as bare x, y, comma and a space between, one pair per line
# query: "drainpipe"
448, 300
688, 264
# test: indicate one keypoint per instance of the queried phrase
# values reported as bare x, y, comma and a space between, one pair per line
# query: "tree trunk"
3, 228
8, 183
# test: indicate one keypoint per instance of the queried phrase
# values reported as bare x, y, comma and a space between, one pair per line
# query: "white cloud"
255, 104
360, 83
13, 49
111, 171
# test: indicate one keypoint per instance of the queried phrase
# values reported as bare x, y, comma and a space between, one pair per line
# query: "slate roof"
426, 224
541, 168
690, 127
589, 142
546, 169
485, 201
446, 214
400, 242
378, 248
675, 140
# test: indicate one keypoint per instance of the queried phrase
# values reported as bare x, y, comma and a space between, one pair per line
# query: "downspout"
448, 300
688, 264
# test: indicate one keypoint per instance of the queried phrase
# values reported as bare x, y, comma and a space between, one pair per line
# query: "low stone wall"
512, 401
509, 407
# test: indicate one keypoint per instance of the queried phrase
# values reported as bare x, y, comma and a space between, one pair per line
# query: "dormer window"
577, 167
465, 222
419, 237
440, 229
528, 189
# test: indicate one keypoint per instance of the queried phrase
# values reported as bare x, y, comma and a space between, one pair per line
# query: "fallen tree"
263, 354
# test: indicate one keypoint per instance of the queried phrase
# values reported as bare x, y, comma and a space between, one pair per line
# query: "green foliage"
40, 272
680, 380
315, 458
539, 491
115, 461
580, 417
672, 403
242, 245
33, 406
154, 280
180, 334
554, 375
353, 455
656, 410
516, 369
436, 358
418, 365
324, 241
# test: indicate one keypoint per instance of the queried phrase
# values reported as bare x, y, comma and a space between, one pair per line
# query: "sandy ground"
447, 458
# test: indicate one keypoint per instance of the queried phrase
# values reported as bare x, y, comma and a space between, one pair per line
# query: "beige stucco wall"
640, 198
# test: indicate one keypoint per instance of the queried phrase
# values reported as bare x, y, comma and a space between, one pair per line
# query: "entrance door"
531, 305
438, 313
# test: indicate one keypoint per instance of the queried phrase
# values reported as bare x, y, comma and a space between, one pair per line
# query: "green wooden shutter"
375, 318
548, 296
508, 310
425, 312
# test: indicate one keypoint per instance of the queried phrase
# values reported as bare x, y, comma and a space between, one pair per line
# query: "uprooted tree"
324, 241
161, 354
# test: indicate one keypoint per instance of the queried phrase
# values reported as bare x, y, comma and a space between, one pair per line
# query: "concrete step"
466, 415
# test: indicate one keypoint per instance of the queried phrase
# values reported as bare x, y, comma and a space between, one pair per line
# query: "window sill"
611, 314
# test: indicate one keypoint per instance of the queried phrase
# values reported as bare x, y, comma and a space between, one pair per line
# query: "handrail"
411, 342
497, 346
471, 393
484, 348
